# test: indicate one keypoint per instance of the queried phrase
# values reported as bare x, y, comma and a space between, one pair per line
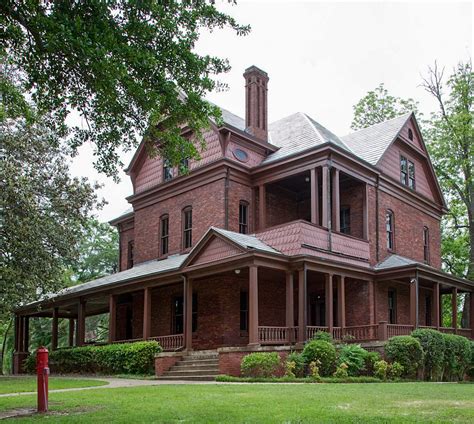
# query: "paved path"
114, 383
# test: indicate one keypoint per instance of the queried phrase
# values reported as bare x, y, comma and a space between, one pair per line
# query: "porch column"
302, 305
188, 314
290, 319
413, 302
341, 302
365, 212
253, 305
436, 302
147, 313
454, 309
81, 323
329, 303
16, 326
471, 313
54, 336
71, 332
372, 303
262, 207
112, 318
325, 222
441, 309
26, 335
314, 197
336, 217
20, 334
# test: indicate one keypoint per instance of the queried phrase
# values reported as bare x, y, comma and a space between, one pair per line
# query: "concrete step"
191, 367
192, 373
202, 353
199, 362
188, 378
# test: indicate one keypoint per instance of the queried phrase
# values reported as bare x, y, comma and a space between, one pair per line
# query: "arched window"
167, 170
426, 244
243, 217
164, 234
187, 220
389, 225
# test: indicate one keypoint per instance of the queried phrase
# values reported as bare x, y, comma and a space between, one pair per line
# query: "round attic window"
241, 155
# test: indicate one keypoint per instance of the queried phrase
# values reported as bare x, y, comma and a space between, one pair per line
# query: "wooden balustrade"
360, 333
277, 335
171, 342
398, 330
466, 332
311, 330
128, 341
447, 330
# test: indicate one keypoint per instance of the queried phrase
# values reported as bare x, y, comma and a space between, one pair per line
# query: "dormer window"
167, 170
407, 172
410, 134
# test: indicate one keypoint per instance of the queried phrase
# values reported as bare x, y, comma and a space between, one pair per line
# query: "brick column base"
164, 361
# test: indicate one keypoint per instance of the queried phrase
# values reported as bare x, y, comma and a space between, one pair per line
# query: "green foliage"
378, 106
381, 369
370, 360
323, 351
395, 371
407, 351
457, 357
341, 371
125, 358
287, 379
127, 68
298, 360
432, 342
354, 356
314, 367
260, 364
324, 336
44, 211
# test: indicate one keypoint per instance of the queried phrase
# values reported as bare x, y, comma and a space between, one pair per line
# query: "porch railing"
360, 333
277, 335
311, 330
398, 330
466, 332
171, 342
447, 330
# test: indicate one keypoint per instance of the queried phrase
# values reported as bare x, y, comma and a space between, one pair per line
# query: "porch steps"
195, 366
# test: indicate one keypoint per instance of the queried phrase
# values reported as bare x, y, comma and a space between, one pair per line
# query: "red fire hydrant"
42, 371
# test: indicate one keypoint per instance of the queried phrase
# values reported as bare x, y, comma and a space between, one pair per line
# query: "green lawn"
261, 403
28, 383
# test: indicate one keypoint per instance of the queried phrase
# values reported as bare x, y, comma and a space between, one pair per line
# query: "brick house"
278, 230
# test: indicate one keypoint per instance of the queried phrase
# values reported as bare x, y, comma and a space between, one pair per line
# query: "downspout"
377, 243
226, 199
329, 205
120, 249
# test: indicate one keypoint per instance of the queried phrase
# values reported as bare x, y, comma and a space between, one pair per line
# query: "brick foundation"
164, 361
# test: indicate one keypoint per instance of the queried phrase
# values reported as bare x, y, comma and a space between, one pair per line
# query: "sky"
322, 57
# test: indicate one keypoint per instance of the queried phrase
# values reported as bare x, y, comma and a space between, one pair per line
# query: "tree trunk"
4, 344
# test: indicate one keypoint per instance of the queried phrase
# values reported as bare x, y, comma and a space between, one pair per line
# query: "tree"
128, 68
451, 144
379, 106
44, 211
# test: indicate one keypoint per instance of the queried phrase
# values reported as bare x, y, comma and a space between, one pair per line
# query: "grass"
28, 383
286, 379
260, 403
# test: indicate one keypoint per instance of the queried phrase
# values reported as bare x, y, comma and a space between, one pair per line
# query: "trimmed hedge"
407, 351
260, 364
433, 345
322, 351
120, 358
457, 357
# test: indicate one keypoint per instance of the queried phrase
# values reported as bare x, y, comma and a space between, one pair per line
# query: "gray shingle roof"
395, 261
246, 240
370, 143
233, 120
297, 133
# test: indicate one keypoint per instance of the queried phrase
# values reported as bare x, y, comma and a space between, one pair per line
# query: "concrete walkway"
114, 383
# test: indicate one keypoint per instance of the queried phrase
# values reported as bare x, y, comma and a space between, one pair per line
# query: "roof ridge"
309, 119
407, 114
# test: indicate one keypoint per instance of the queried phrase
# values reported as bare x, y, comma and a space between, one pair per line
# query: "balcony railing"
171, 342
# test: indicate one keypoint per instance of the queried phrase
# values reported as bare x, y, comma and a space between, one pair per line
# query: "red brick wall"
358, 306
403, 301
238, 192
165, 362
409, 223
126, 235
208, 210
281, 206
352, 197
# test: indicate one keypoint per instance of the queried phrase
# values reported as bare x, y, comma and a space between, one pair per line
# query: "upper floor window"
164, 234
183, 166
426, 244
407, 172
167, 170
187, 227
410, 134
243, 217
392, 306
130, 255
345, 220
389, 225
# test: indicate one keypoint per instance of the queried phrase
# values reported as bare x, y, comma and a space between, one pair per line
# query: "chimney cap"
255, 69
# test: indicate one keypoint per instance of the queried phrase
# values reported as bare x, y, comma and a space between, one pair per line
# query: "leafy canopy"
379, 106
129, 69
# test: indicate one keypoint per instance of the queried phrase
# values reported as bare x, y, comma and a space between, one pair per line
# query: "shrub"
394, 371
370, 360
353, 356
341, 371
407, 351
260, 364
120, 358
324, 336
433, 345
470, 371
457, 356
314, 368
320, 350
298, 360
380, 369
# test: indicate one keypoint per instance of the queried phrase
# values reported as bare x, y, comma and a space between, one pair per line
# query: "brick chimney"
256, 118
